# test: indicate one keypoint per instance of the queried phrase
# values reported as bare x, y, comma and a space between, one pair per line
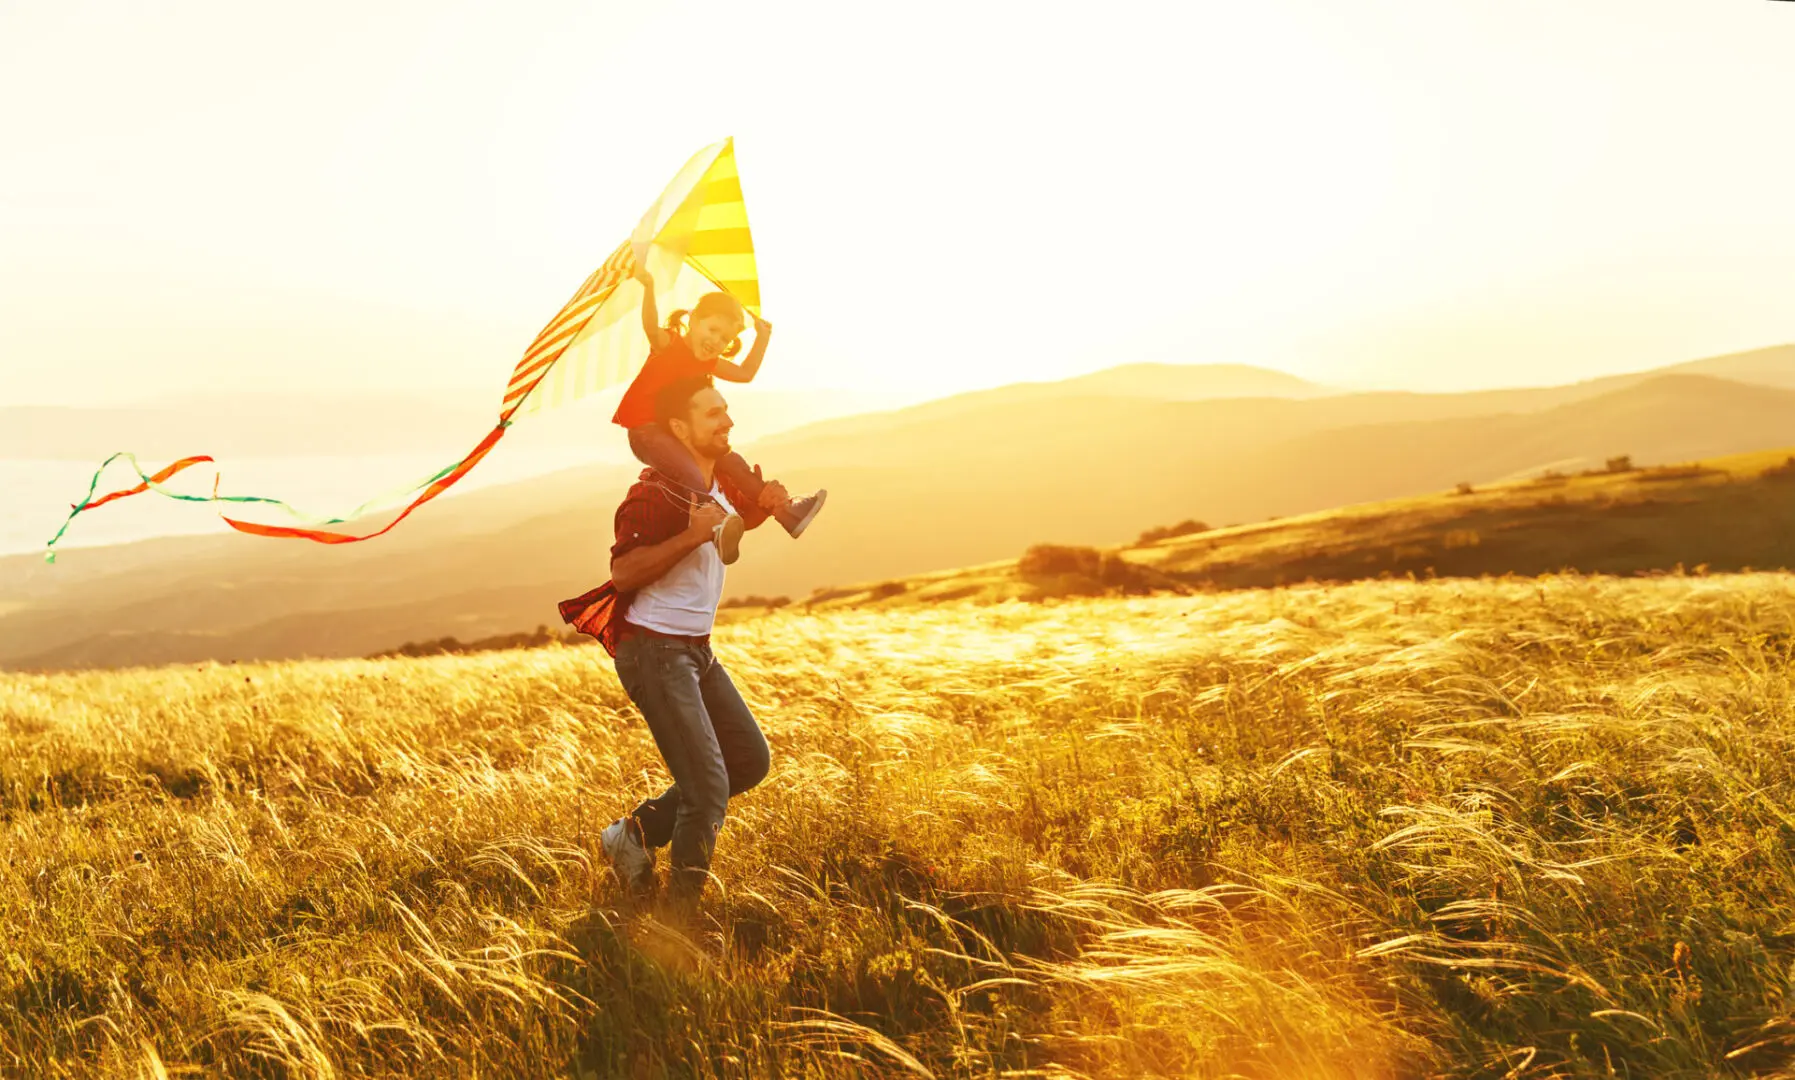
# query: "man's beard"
717, 448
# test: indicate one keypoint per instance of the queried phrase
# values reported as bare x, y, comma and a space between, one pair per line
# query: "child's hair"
717, 303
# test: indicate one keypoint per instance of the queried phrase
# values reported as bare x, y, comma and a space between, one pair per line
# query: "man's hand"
773, 496
640, 566
704, 521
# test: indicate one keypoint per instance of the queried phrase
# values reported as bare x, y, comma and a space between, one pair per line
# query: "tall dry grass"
1522, 828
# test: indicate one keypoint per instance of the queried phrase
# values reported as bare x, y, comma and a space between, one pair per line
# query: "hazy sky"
336, 196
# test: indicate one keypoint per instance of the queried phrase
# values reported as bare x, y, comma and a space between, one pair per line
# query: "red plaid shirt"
652, 513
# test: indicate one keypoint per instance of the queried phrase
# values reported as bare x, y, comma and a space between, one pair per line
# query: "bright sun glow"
343, 197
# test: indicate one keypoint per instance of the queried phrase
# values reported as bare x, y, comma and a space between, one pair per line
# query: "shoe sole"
816, 508
728, 537
643, 881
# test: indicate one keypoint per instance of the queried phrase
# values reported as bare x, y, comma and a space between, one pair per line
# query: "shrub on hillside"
1074, 570
1678, 472
540, 638
884, 590
1166, 532
756, 601
822, 594
1048, 560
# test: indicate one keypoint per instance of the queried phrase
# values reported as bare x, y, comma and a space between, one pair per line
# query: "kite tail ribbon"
424, 491
441, 483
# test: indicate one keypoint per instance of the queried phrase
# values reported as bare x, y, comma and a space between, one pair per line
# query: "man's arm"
644, 565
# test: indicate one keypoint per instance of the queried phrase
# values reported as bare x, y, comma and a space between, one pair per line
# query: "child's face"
712, 334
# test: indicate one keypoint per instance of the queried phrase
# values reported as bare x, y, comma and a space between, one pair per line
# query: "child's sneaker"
797, 515
632, 862
729, 538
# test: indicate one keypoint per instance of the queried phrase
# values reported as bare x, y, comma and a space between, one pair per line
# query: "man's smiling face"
707, 424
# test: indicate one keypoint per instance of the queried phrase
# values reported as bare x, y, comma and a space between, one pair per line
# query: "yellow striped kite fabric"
694, 239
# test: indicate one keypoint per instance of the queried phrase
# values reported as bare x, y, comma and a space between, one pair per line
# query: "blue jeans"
708, 739
655, 447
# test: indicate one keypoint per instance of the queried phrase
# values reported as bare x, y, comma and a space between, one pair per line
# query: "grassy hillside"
1454, 829
1724, 514
926, 494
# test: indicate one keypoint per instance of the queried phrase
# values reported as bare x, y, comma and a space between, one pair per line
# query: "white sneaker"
729, 538
631, 861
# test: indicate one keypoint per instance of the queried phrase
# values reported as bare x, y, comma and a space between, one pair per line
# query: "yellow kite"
694, 239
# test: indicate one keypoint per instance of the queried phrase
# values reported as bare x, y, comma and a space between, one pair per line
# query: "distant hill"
911, 491
1180, 382
1774, 366
269, 425
1325, 407
1153, 382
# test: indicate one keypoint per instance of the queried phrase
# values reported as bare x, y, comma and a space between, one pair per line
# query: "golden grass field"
1460, 828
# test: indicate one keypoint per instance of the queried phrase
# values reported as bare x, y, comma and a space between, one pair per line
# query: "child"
704, 347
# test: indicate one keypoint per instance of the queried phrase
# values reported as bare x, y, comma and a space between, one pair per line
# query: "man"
654, 617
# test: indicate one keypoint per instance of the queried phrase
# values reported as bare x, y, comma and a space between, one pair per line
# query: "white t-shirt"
684, 600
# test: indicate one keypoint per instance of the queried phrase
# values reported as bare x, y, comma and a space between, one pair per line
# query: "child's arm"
750, 366
651, 318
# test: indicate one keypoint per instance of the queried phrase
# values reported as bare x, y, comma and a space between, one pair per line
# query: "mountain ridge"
954, 490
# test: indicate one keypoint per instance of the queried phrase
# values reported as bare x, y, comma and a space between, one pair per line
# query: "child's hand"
761, 326
773, 496
641, 274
